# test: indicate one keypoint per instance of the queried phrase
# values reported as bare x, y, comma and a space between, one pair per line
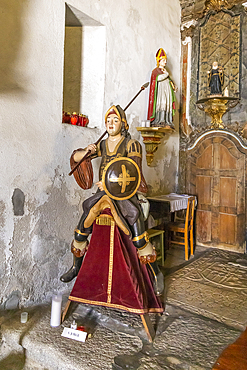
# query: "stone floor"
189, 336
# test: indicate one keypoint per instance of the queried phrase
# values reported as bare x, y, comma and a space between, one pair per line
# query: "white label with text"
74, 334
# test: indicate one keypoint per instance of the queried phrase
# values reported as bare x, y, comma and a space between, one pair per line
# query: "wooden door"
216, 175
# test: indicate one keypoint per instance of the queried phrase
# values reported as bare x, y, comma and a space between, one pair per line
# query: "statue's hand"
78, 155
91, 148
149, 258
174, 87
100, 185
147, 253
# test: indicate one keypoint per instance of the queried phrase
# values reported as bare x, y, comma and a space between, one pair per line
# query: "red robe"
157, 71
153, 93
112, 276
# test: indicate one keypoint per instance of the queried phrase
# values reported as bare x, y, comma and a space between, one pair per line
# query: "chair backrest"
189, 219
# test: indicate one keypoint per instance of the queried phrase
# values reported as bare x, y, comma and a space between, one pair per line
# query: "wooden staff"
101, 137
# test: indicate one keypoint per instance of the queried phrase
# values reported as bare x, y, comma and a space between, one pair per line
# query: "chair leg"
169, 238
186, 246
162, 249
191, 243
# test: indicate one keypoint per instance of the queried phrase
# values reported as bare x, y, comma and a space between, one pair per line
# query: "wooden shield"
121, 178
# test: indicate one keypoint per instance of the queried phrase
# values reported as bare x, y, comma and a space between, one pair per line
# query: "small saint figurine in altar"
215, 79
161, 106
126, 210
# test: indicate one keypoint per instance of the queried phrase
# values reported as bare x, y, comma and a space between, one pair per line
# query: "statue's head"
161, 57
215, 65
115, 120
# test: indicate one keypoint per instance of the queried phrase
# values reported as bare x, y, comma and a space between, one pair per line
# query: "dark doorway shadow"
11, 36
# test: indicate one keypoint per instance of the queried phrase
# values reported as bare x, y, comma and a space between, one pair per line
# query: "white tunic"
164, 95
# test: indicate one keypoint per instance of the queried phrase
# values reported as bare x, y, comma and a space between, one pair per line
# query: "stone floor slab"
183, 341
187, 337
215, 286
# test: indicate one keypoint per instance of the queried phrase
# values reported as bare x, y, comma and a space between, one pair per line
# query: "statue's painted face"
215, 65
113, 124
162, 62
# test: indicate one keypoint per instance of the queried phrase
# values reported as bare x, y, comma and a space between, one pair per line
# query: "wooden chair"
185, 228
155, 232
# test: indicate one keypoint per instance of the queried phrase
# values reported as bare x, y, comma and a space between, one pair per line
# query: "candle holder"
56, 307
152, 138
216, 107
75, 119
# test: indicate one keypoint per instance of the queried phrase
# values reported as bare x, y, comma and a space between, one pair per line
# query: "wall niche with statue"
220, 42
218, 45
219, 69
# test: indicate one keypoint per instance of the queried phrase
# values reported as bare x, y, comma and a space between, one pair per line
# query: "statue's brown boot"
73, 271
78, 249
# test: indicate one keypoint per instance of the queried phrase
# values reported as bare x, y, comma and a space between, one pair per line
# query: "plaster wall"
36, 146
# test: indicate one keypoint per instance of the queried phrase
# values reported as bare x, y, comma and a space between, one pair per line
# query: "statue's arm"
134, 149
209, 77
174, 87
80, 153
163, 76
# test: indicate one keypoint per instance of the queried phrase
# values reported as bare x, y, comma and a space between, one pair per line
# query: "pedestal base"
152, 138
216, 107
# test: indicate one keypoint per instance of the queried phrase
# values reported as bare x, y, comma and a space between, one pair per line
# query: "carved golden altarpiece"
220, 41
213, 152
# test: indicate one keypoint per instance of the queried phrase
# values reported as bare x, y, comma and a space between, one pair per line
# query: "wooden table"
162, 211
162, 207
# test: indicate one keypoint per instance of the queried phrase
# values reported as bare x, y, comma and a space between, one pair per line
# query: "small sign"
74, 334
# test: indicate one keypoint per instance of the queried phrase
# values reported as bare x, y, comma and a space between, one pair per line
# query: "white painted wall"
36, 146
